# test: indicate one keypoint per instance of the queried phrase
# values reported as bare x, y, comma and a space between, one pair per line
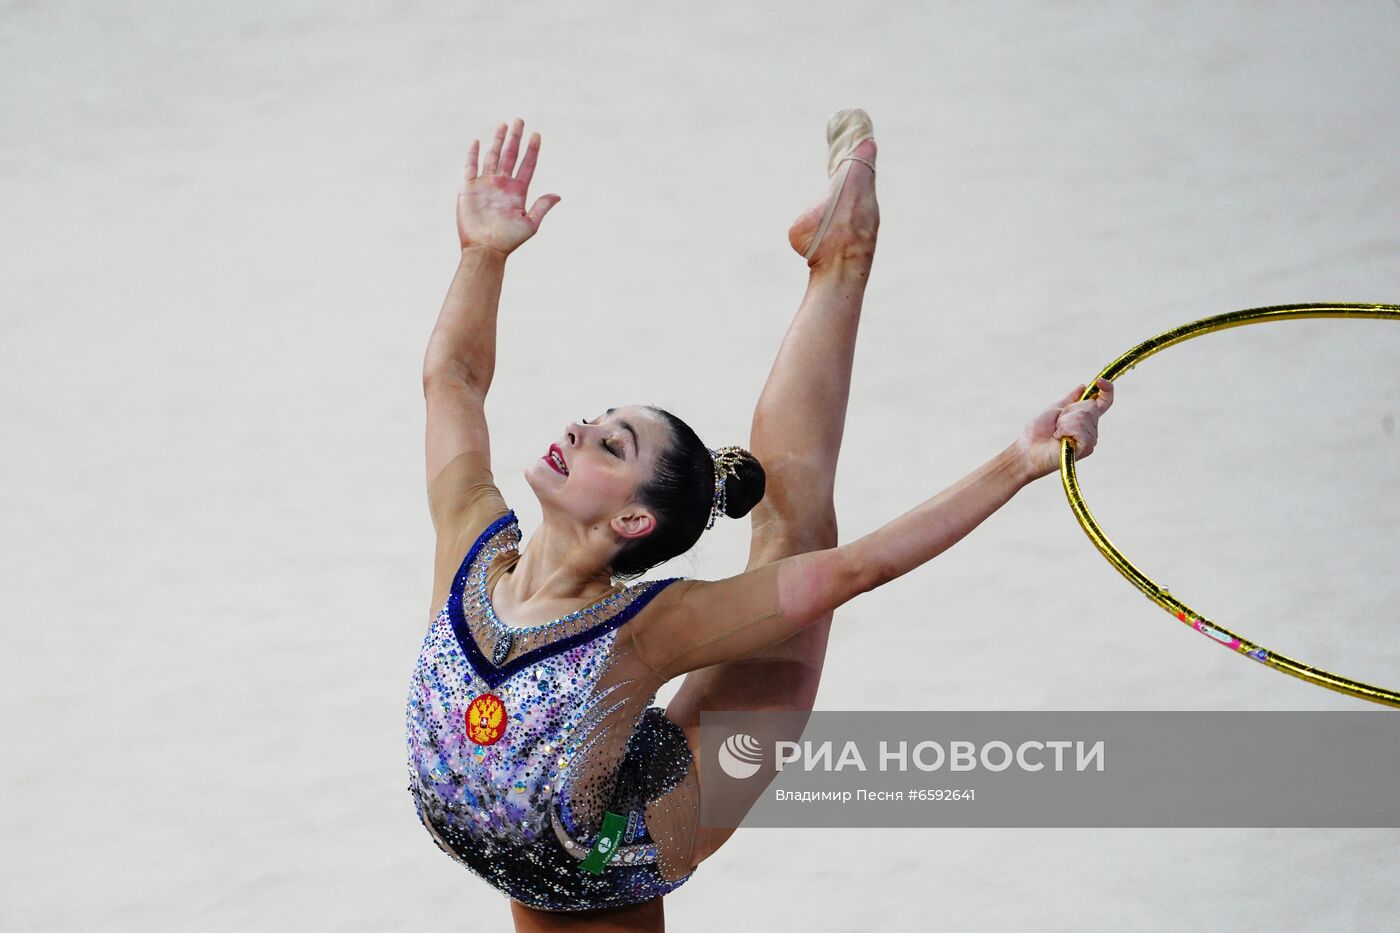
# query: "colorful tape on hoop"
1158, 594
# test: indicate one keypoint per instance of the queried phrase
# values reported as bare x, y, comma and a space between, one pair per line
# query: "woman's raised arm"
703, 623
461, 357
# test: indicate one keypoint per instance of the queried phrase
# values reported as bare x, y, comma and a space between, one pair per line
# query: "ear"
635, 522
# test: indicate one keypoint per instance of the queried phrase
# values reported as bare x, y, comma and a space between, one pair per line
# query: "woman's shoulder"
650, 596
469, 515
658, 597
464, 498
654, 588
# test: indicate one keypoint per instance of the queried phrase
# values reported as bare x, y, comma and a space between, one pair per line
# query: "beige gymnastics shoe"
846, 130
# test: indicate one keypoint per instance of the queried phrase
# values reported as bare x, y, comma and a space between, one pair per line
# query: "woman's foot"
850, 237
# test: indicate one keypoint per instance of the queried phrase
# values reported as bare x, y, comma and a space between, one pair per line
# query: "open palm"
491, 205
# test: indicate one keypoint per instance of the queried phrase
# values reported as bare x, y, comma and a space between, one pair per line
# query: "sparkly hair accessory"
727, 460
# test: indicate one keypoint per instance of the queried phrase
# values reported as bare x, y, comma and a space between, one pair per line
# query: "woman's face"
606, 459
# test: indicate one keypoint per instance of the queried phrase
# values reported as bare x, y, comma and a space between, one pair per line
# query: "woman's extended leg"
797, 429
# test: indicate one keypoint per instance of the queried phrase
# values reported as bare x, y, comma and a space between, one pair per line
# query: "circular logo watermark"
740, 755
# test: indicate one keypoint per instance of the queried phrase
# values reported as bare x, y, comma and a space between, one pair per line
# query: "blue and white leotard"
564, 732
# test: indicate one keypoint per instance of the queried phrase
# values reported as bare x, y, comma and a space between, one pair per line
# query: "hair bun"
743, 488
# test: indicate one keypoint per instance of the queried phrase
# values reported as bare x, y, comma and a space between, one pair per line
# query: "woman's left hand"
491, 205
1039, 444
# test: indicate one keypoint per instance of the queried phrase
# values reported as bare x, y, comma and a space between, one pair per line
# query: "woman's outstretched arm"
457, 371
704, 623
460, 360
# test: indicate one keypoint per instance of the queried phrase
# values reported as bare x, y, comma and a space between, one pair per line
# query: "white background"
226, 233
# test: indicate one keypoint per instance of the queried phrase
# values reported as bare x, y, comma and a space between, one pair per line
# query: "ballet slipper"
846, 130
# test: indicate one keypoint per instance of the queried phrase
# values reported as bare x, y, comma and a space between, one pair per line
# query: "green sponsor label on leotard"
609, 837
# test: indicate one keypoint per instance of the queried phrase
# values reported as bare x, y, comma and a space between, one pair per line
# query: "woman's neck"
559, 566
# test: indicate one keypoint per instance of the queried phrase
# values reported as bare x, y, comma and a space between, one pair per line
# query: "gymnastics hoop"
1158, 594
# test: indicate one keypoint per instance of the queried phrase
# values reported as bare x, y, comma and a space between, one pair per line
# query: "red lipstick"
554, 449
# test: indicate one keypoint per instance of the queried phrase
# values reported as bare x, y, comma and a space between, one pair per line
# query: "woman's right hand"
491, 205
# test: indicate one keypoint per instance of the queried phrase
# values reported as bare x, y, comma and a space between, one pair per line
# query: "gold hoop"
1158, 594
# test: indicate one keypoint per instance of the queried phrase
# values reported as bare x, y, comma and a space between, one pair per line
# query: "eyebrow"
629, 427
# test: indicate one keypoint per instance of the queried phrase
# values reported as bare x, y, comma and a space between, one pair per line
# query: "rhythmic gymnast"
535, 756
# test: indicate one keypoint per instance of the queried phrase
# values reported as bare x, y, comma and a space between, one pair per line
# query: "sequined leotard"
520, 741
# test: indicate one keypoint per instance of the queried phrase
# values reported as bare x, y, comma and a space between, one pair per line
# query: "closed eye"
604, 443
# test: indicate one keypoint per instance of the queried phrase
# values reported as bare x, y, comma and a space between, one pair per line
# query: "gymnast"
535, 757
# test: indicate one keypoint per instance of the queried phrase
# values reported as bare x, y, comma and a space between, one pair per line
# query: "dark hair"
680, 494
